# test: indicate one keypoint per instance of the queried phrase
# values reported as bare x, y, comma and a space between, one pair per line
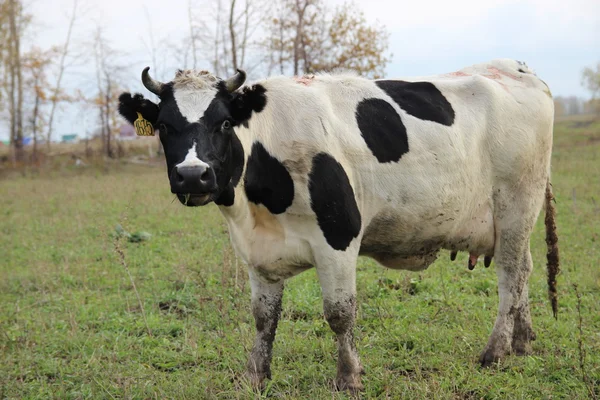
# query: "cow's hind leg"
513, 224
266, 308
523, 332
337, 275
513, 272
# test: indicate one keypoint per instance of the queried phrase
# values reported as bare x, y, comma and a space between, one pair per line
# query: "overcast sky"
556, 38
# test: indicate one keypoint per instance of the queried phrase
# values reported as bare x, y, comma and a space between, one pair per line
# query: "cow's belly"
397, 242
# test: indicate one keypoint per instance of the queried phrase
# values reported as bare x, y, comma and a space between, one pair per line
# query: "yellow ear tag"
143, 127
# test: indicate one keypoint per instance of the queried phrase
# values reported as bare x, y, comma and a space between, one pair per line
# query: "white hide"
442, 188
192, 103
191, 159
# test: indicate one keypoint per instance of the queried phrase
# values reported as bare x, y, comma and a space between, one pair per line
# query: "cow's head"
196, 118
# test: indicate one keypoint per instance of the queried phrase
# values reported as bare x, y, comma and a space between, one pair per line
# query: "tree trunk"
300, 11
192, 35
102, 126
245, 35
61, 70
232, 36
107, 100
217, 43
16, 84
11, 93
281, 45
34, 119
19, 141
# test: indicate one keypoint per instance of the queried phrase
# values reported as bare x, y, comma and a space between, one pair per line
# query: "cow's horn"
235, 81
155, 87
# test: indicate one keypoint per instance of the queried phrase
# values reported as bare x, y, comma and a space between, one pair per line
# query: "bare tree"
35, 65
225, 30
13, 23
193, 38
278, 40
153, 49
108, 88
300, 8
297, 27
62, 65
307, 37
351, 43
217, 38
232, 35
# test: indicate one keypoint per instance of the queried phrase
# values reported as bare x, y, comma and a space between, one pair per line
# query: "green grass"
71, 325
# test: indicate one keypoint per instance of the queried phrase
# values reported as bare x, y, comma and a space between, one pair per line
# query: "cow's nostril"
178, 176
205, 176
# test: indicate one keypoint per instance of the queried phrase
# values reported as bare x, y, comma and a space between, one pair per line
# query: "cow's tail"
552, 243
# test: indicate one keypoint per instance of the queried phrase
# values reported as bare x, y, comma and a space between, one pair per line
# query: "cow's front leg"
266, 308
338, 284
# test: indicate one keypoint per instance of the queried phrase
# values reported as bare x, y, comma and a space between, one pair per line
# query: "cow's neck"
239, 213
259, 130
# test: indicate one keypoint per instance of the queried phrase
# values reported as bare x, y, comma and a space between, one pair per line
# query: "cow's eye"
162, 128
226, 125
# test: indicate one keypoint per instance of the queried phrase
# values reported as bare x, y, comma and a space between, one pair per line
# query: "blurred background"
109, 288
63, 63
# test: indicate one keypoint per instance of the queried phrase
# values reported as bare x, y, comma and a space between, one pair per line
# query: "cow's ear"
249, 99
130, 105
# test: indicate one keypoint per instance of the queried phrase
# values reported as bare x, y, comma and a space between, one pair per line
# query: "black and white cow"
314, 171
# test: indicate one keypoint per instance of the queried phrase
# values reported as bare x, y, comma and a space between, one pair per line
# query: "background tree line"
263, 37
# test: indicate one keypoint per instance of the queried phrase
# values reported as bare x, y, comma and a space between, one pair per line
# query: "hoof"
521, 344
349, 383
489, 358
522, 348
256, 380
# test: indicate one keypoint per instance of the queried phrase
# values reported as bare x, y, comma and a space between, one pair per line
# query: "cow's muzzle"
193, 185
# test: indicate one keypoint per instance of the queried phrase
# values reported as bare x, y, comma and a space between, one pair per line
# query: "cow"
314, 171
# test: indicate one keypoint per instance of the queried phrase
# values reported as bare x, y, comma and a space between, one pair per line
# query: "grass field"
72, 325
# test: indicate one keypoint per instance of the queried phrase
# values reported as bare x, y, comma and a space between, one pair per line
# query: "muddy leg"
513, 269
338, 284
523, 332
266, 308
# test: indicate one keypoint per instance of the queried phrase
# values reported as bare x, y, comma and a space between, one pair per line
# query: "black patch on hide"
422, 100
332, 200
267, 181
382, 129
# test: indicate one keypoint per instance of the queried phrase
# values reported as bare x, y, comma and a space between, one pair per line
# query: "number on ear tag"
143, 127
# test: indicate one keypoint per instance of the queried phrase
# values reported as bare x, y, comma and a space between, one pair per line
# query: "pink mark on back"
495, 73
458, 73
304, 79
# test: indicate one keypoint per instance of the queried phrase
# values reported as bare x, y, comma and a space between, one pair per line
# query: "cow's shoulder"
267, 181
